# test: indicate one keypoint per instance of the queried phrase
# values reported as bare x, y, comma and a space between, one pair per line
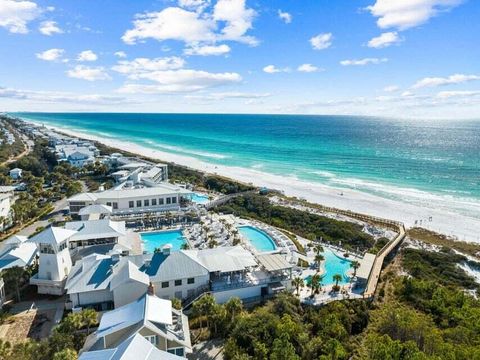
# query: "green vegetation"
304, 224
439, 267
379, 244
433, 238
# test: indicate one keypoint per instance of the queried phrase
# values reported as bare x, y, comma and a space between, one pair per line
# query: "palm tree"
337, 278
298, 283
318, 249
89, 318
316, 283
318, 260
234, 306
354, 265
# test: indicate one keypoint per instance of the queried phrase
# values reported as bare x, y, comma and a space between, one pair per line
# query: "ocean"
422, 162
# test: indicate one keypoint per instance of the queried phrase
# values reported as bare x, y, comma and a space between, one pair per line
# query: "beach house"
152, 318
17, 251
5, 210
16, 173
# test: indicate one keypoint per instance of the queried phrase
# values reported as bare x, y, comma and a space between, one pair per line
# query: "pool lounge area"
158, 239
258, 238
199, 198
332, 265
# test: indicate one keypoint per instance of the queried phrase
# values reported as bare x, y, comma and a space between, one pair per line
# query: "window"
139, 203
154, 202
177, 351
164, 284
178, 282
152, 339
115, 206
146, 202
160, 201
109, 203
169, 200
174, 200
131, 204
191, 281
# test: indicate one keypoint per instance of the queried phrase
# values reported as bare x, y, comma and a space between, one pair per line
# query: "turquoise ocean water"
384, 157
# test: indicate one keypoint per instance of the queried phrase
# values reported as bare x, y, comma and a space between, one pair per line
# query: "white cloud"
50, 55
308, 68
183, 80
457, 94
285, 16
272, 69
321, 41
171, 23
138, 66
238, 20
391, 88
384, 40
229, 20
229, 95
363, 62
404, 14
49, 28
88, 73
120, 54
207, 50
87, 55
197, 5
440, 81
56, 97
16, 14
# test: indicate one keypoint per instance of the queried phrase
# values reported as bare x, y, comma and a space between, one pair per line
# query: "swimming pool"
258, 238
333, 265
200, 198
159, 239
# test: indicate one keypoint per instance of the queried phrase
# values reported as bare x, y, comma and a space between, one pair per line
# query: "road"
56, 214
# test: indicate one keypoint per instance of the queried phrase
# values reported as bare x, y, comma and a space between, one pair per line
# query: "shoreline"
452, 224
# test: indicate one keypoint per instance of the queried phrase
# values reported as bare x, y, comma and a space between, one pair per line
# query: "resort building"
127, 200
16, 174
54, 260
106, 281
17, 251
135, 347
150, 317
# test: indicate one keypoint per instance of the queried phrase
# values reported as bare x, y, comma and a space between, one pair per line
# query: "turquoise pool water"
333, 265
259, 239
200, 198
159, 239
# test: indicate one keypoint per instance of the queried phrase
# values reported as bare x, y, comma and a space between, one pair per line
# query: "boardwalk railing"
224, 199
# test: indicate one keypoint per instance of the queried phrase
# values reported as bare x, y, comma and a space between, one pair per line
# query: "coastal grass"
433, 238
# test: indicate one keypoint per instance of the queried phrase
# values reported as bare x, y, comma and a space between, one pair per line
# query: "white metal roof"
95, 209
274, 262
127, 271
53, 236
223, 259
96, 229
147, 308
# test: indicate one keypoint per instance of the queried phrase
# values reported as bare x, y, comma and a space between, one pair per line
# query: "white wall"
242, 293
169, 293
58, 265
91, 297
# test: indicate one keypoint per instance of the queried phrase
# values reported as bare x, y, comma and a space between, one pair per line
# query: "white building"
105, 281
16, 173
17, 251
135, 347
5, 210
164, 197
152, 318
54, 260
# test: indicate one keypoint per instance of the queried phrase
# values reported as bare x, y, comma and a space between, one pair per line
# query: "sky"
403, 59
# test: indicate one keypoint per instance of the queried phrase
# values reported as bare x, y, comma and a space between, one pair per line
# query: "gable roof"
53, 236
95, 209
135, 347
146, 309
22, 255
96, 229
223, 259
176, 265
93, 272
127, 271
15, 240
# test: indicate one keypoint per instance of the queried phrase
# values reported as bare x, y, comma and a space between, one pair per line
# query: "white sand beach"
460, 226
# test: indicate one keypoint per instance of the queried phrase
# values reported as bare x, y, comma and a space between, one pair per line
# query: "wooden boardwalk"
378, 263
